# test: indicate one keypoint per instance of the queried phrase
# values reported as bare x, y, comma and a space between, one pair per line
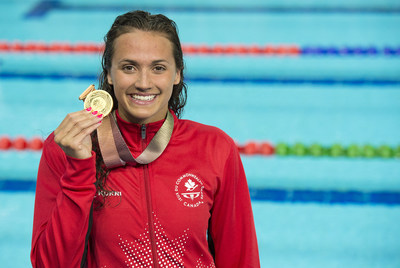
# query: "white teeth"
143, 98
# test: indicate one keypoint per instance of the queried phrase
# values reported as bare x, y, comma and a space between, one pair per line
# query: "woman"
188, 207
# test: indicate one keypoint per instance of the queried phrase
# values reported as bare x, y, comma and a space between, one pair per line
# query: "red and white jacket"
188, 208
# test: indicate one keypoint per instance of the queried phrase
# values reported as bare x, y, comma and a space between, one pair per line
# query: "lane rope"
318, 150
253, 148
190, 49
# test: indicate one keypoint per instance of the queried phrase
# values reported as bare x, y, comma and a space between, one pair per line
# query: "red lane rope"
36, 144
87, 48
56, 47
242, 49
21, 143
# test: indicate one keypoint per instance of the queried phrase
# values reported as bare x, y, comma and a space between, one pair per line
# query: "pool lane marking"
231, 80
42, 8
331, 197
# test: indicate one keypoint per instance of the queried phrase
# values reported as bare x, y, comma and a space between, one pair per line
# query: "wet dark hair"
126, 23
144, 21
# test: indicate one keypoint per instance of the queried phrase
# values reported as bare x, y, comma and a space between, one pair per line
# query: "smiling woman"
177, 191
143, 73
160, 28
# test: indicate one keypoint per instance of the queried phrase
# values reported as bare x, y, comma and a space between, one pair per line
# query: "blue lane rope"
271, 195
349, 51
234, 80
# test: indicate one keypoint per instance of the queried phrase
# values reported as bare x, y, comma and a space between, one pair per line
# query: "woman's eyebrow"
134, 62
159, 61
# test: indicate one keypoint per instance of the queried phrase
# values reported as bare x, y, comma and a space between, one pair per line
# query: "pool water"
310, 211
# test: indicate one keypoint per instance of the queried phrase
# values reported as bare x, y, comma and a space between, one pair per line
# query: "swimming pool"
341, 85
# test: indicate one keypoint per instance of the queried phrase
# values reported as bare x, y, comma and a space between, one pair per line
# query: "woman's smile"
142, 99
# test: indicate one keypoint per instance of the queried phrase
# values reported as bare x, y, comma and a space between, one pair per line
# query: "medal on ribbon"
113, 147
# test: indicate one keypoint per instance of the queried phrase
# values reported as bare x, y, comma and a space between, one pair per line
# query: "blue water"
38, 90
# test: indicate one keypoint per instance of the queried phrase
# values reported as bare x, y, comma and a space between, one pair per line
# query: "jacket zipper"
149, 203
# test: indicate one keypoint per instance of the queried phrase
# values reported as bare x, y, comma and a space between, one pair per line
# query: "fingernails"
94, 112
100, 116
89, 109
100, 121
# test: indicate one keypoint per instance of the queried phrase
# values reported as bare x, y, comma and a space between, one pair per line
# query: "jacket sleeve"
64, 194
232, 224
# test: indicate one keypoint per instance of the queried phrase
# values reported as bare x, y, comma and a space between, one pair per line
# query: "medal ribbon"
116, 153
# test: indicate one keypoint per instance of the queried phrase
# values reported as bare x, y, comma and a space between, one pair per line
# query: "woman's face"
143, 73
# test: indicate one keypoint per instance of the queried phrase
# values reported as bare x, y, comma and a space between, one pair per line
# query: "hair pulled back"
144, 21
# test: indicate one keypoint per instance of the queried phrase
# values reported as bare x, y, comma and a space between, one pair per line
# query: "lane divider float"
317, 150
191, 49
253, 148
20, 143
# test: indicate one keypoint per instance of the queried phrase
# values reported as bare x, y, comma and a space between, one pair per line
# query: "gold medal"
100, 101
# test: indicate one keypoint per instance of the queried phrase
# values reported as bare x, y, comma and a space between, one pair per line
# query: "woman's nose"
143, 81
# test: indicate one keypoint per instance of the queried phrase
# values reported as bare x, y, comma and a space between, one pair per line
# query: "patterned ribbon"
116, 153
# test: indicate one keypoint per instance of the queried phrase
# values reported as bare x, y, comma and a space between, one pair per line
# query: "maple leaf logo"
190, 185
170, 251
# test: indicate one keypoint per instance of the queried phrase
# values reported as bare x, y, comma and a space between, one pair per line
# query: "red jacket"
188, 208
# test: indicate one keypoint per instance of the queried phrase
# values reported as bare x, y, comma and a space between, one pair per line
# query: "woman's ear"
109, 80
177, 77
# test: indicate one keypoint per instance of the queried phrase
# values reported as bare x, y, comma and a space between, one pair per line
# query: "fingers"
73, 134
77, 140
77, 122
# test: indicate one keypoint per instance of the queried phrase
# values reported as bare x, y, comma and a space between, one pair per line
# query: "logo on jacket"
189, 190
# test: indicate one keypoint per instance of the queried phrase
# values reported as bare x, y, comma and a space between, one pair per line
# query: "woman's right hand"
73, 134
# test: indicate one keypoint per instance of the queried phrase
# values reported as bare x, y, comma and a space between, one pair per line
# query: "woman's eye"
128, 68
159, 68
